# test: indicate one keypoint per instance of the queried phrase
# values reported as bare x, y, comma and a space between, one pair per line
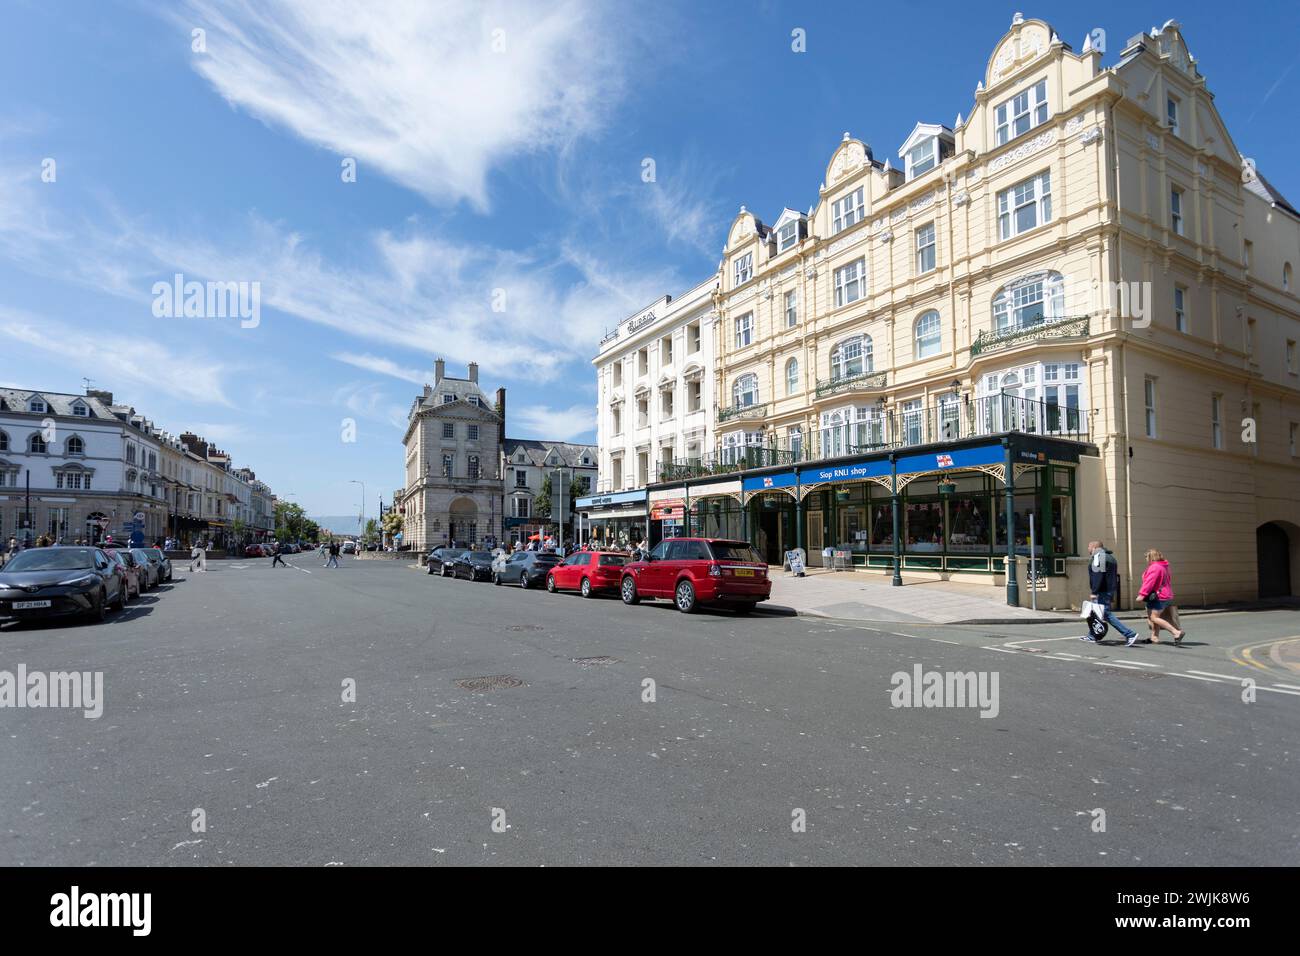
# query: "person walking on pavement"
278, 557
1103, 582
1158, 592
199, 557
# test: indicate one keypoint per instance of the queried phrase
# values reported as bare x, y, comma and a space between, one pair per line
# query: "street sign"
139, 516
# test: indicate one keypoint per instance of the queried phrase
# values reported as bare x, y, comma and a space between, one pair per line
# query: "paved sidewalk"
866, 596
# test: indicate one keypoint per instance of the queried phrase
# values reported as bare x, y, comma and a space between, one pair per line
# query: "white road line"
1274, 690
1077, 657
1040, 640
1127, 667
1287, 686
303, 570
1212, 674
1003, 650
1143, 664
1211, 680
937, 641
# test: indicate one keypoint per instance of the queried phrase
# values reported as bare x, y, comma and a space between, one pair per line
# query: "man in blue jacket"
1103, 582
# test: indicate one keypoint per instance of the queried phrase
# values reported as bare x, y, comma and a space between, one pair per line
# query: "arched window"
744, 392
851, 357
36, 444
75, 446
1029, 300
929, 338
792, 376
1286, 277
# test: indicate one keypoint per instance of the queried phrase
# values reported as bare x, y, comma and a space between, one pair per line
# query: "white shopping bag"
1087, 609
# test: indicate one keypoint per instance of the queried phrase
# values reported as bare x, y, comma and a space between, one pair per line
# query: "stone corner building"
453, 463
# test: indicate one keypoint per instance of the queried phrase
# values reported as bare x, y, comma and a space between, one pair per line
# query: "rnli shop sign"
770, 482
853, 471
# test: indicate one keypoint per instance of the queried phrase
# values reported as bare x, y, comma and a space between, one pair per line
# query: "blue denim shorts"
1155, 604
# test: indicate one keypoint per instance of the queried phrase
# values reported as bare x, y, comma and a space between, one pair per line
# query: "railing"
742, 411
950, 421
1072, 326
726, 461
866, 380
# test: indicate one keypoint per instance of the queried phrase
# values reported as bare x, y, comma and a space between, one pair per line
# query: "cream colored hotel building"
1082, 281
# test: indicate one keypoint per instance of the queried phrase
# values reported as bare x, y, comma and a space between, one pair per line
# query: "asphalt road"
224, 693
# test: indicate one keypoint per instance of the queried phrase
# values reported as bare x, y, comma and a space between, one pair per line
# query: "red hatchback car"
587, 572
695, 571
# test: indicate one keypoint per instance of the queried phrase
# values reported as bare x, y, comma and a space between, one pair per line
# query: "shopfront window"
968, 523
923, 525
882, 526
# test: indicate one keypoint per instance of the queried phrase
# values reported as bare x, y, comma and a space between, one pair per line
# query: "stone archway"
462, 522
1276, 545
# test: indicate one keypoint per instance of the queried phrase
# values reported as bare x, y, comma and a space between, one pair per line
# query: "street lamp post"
362, 529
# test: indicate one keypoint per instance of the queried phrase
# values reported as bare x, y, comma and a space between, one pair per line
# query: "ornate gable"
1028, 41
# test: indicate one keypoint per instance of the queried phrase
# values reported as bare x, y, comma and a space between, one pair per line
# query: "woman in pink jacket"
1158, 592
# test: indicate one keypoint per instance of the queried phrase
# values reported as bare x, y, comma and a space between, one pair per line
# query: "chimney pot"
473, 371
439, 367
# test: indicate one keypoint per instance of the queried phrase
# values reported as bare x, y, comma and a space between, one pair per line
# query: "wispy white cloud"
369, 401
433, 95
383, 366
554, 424
196, 379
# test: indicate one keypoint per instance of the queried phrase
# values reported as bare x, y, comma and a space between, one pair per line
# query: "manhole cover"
524, 627
496, 682
589, 661
1125, 672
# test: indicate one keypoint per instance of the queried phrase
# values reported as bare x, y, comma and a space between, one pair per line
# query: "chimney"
501, 410
473, 372
103, 396
438, 368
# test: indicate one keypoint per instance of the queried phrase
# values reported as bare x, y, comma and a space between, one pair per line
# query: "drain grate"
524, 627
590, 661
1125, 672
495, 682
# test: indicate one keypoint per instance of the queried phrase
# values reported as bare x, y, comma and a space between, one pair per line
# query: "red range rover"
695, 571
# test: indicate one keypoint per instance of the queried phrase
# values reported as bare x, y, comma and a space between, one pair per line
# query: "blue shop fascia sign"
880, 467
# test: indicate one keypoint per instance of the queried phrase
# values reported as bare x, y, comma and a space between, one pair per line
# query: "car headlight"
85, 581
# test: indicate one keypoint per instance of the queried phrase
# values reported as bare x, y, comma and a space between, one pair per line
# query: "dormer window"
787, 236
923, 157
80, 410
1021, 113
38, 406
447, 398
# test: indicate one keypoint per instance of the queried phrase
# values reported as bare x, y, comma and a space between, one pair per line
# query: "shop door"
1273, 554
815, 539
769, 536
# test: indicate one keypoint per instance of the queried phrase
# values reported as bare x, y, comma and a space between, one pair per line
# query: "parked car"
525, 568
442, 560
253, 551
473, 566
57, 582
695, 571
587, 572
133, 575
349, 547
160, 560
150, 573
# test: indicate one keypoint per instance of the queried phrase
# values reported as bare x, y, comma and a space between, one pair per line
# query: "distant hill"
339, 524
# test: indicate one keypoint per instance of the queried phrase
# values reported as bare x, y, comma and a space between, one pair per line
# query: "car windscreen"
451, 554
52, 559
734, 551
612, 560
480, 555
547, 559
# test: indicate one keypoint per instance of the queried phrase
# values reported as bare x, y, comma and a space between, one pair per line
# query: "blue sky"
485, 160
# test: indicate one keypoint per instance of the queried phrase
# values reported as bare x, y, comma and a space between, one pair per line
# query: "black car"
60, 582
473, 566
443, 560
525, 568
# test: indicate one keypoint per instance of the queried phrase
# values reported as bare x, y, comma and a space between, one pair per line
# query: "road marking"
1127, 667
937, 641
1212, 674
1143, 664
1211, 680
1287, 686
1077, 657
303, 570
1040, 640
1274, 690
1003, 650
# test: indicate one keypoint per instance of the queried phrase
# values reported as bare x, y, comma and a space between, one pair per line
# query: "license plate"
29, 605
744, 572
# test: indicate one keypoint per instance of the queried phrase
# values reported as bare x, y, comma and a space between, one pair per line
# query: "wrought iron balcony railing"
1065, 327
851, 383
742, 412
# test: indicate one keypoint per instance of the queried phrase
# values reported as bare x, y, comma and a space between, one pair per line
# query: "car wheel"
550, 583
523, 580
99, 610
586, 588
685, 597
627, 591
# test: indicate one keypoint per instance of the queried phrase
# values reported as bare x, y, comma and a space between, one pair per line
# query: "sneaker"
1131, 641
1089, 638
